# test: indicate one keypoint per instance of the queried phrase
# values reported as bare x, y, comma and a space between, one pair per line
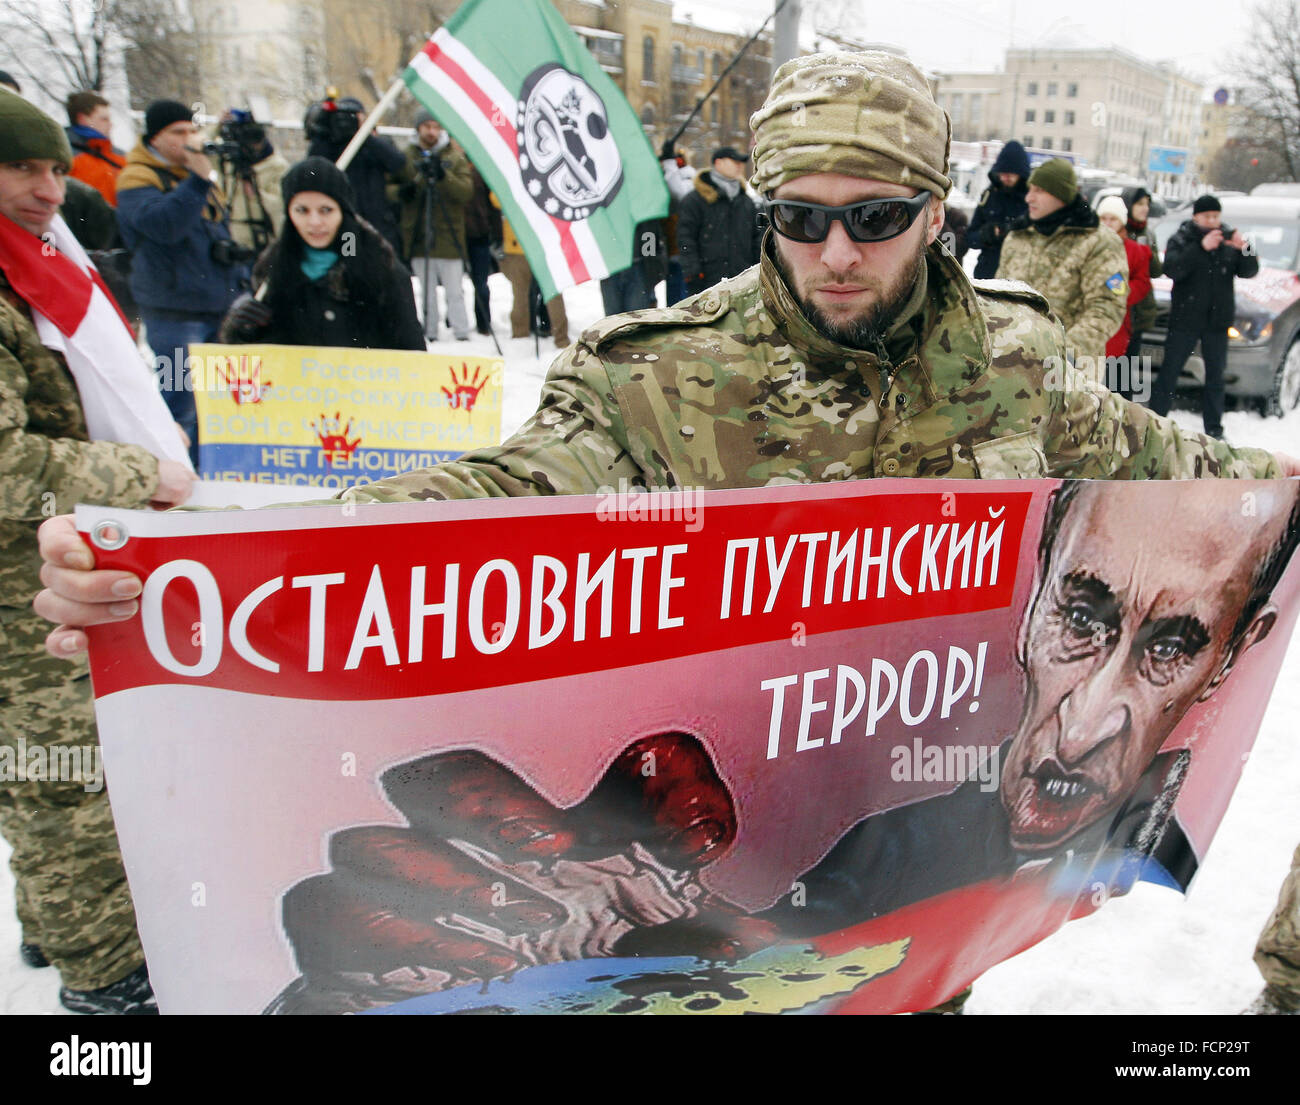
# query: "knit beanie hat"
1056, 177
1206, 203
162, 114
1113, 205
422, 117
318, 174
26, 131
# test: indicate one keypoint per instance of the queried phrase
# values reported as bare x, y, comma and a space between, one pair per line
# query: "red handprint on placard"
333, 437
244, 379
464, 392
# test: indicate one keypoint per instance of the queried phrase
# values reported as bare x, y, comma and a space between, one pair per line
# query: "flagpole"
350, 150
372, 121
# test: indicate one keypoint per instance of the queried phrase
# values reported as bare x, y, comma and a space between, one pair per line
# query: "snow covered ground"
1151, 952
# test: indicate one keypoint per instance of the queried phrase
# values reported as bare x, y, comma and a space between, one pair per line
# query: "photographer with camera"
1203, 258
251, 171
186, 270
437, 185
329, 126
331, 278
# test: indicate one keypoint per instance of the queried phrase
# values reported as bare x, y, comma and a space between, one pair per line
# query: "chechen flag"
551, 134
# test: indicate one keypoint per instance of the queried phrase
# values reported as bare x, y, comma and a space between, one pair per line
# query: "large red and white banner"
828, 749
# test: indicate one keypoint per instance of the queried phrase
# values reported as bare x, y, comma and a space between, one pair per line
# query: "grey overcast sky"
1200, 36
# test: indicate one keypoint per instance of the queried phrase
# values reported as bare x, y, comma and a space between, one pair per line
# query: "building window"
699, 61
1029, 115
976, 109
956, 107
1051, 88
1028, 140
1067, 144
713, 113
1049, 117
647, 58
648, 115
677, 55
1071, 89
717, 65
1047, 143
1032, 89
1069, 118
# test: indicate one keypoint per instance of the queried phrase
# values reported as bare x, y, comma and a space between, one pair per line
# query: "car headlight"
1250, 329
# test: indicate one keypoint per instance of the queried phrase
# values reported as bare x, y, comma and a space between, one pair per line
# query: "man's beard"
867, 330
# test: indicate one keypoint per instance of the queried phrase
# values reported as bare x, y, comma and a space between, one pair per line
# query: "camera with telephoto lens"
333, 120
431, 166
227, 253
242, 139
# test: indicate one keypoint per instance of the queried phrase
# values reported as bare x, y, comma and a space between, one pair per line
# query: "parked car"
1276, 188
1264, 342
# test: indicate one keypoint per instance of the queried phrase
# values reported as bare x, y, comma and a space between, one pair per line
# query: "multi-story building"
279, 55
1106, 107
263, 54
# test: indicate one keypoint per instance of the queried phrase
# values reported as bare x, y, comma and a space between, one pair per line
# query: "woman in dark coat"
332, 279
1001, 207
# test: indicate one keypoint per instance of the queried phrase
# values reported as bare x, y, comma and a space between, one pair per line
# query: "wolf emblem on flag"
568, 157
555, 140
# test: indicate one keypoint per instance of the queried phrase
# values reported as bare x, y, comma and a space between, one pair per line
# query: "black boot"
129, 996
32, 955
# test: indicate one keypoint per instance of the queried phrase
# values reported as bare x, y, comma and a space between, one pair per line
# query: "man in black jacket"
717, 229
1202, 262
1001, 207
376, 161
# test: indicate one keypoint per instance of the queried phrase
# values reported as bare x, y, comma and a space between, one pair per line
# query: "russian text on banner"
832, 748
552, 135
332, 418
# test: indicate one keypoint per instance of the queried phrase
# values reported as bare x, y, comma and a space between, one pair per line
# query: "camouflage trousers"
1278, 952
71, 892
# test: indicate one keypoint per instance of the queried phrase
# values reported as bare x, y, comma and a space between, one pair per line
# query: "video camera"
242, 139
333, 120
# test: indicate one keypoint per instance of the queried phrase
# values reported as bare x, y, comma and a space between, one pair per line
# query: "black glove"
249, 315
432, 167
669, 151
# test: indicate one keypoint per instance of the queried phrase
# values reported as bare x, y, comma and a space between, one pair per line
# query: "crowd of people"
853, 270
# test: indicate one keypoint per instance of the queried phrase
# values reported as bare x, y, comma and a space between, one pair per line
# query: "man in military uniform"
71, 892
1277, 953
1068, 256
857, 347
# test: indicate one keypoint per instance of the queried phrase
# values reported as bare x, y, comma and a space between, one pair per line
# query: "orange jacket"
96, 163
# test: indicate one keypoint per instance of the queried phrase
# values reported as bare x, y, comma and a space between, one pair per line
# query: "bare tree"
64, 46
1271, 68
59, 47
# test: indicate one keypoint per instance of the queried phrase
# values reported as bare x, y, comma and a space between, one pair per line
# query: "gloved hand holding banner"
836, 748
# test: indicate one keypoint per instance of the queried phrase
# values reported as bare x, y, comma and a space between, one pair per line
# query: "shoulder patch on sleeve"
704, 308
1016, 290
1117, 284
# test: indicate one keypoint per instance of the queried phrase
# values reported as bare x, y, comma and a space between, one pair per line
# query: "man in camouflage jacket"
70, 889
835, 359
1069, 257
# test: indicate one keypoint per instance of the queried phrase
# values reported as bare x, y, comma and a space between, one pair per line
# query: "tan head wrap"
867, 114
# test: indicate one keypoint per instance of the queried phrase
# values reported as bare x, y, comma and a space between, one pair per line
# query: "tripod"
432, 198
238, 173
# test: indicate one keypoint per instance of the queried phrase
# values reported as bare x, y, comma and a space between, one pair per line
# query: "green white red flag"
552, 135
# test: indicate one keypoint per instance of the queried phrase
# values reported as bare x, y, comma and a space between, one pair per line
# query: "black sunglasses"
868, 221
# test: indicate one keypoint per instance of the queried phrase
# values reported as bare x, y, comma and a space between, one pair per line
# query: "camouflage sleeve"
1094, 434
1103, 299
575, 443
34, 467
